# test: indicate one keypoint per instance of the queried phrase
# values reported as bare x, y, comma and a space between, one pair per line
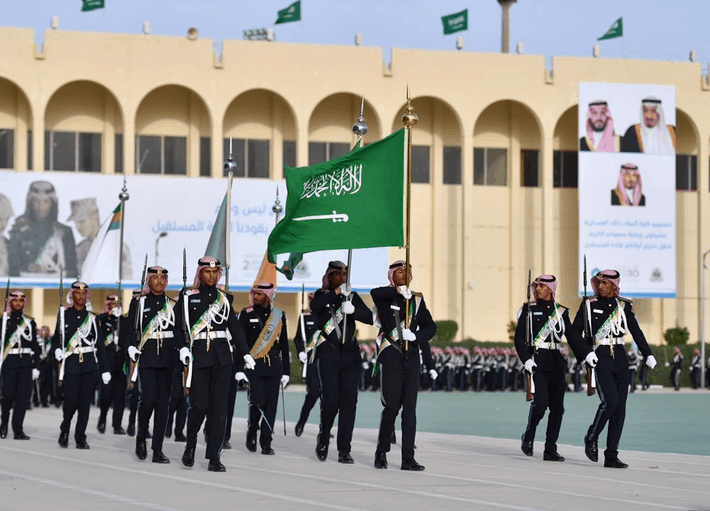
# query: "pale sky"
653, 29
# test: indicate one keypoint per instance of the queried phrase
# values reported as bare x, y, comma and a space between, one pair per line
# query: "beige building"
494, 158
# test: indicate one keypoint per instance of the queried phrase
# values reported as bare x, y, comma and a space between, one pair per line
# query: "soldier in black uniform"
114, 393
206, 339
305, 330
264, 326
549, 321
151, 322
20, 358
177, 413
677, 368
611, 318
400, 343
338, 360
80, 351
45, 367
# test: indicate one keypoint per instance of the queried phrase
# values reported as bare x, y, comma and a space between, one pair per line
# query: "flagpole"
123, 197
228, 228
409, 119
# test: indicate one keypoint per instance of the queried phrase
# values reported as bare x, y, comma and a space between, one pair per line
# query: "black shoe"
179, 437
267, 450
615, 463
591, 449
251, 444
299, 428
101, 426
63, 440
21, 436
380, 460
119, 431
131, 431
141, 450
526, 446
322, 451
552, 456
168, 433
82, 445
412, 465
159, 457
216, 466
344, 457
3, 430
226, 445
188, 457
393, 437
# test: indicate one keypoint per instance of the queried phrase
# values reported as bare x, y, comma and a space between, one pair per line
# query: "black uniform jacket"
324, 301
73, 318
155, 352
115, 348
547, 359
15, 319
253, 320
422, 325
310, 324
601, 309
198, 300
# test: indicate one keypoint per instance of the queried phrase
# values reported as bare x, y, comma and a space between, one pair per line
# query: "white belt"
17, 351
162, 335
548, 346
222, 334
83, 349
611, 341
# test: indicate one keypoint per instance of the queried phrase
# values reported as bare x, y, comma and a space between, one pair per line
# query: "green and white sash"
216, 307
384, 342
554, 326
613, 325
23, 331
82, 333
163, 319
269, 334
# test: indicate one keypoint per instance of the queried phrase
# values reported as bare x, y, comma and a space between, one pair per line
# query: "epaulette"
592, 300
563, 306
191, 291
418, 294
627, 300
248, 309
29, 317
170, 298
532, 303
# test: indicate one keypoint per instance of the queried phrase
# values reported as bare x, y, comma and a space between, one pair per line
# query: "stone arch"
15, 126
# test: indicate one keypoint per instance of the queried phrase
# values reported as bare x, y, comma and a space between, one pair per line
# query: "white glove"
433, 374
667, 364
345, 290
303, 357
117, 311
106, 377
591, 359
408, 335
530, 365
35, 374
133, 352
285, 379
405, 291
651, 362
249, 362
58, 354
185, 356
240, 376
348, 308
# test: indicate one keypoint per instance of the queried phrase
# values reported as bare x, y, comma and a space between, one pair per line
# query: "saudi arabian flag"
289, 14
91, 5
101, 263
616, 30
455, 22
354, 201
216, 246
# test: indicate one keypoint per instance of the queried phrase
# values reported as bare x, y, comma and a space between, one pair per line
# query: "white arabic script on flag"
340, 182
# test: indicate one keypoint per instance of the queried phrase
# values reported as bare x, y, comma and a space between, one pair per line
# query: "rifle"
530, 394
133, 366
61, 325
591, 380
4, 329
302, 326
187, 370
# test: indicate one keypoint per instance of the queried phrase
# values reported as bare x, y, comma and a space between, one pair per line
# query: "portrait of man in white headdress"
652, 135
6, 213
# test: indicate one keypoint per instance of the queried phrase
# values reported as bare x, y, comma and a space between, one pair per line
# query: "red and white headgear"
76, 286
608, 138
207, 262
16, 295
333, 266
546, 280
611, 275
393, 268
157, 270
109, 299
629, 169
265, 287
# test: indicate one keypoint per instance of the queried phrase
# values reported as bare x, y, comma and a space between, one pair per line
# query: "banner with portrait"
626, 192
50, 220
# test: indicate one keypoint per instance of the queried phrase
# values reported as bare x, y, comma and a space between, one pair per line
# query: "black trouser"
613, 387
231, 403
312, 392
632, 379
113, 393
338, 382
399, 381
78, 391
264, 392
695, 377
178, 402
16, 393
134, 395
156, 384
550, 390
209, 392
45, 382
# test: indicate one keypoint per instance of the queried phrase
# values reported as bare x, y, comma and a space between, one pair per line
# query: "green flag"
455, 22
289, 265
616, 30
354, 201
90, 5
216, 245
290, 13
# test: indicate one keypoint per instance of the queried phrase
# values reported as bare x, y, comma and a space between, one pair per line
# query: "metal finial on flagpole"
123, 197
229, 169
277, 208
360, 127
409, 119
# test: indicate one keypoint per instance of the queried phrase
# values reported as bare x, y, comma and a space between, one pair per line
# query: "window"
564, 169
29, 149
490, 166
205, 156
686, 172
318, 152
420, 164
7, 147
252, 157
289, 153
156, 154
530, 168
452, 165
68, 150
118, 154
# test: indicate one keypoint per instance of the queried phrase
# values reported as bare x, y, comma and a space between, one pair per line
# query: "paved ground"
462, 472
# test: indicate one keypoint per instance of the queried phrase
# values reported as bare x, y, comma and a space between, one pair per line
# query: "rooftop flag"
616, 30
455, 22
290, 13
91, 5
